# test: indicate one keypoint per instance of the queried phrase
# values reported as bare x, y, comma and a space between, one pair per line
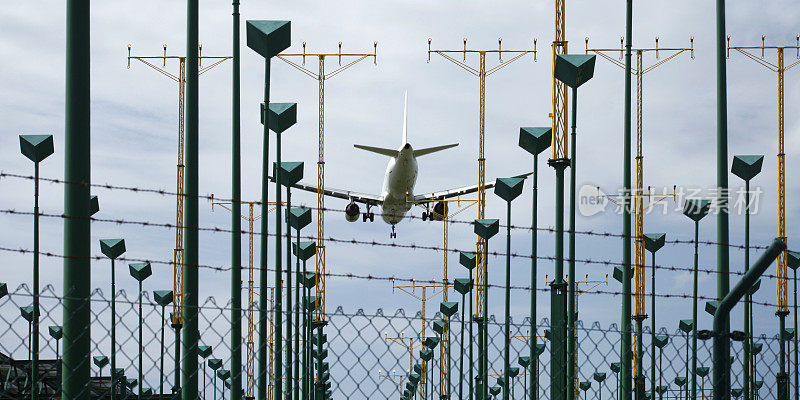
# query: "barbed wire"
213, 198
376, 243
371, 277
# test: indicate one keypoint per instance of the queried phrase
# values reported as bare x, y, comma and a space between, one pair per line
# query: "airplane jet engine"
351, 212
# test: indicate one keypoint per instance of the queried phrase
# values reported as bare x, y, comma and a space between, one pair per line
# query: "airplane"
397, 194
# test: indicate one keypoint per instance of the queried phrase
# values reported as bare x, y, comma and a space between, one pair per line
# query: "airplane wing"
364, 198
450, 193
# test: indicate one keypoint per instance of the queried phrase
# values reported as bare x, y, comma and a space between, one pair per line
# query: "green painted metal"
113, 248
94, 205
463, 286
205, 352
558, 297
268, 38
652, 243
162, 298
574, 69
695, 209
626, 358
468, 260
508, 189
746, 168
721, 358
140, 272
306, 249
793, 261
282, 116
448, 308
77, 229
236, 211
299, 217
485, 229
100, 361
585, 385
189, 306
722, 376
534, 140
56, 332
36, 148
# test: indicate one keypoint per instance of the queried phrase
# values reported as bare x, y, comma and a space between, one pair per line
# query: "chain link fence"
371, 353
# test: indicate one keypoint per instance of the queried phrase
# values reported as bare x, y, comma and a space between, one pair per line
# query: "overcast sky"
134, 125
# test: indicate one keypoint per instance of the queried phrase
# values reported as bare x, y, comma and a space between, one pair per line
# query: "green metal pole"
639, 378
176, 389
783, 377
653, 327
141, 352
694, 313
289, 353
263, 296
796, 381
571, 311
190, 251
722, 313
723, 253
114, 331
534, 235
625, 343
485, 348
461, 357
686, 384
305, 326
161, 362
470, 375
748, 343
558, 304
296, 320
77, 229
236, 217
35, 322
507, 345
278, 318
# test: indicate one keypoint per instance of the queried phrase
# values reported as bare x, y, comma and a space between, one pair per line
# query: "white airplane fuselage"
398, 185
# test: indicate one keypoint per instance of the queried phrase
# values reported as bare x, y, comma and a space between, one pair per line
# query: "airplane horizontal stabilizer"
429, 150
379, 150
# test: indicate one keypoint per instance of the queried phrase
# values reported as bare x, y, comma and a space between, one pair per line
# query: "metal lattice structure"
321, 77
482, 73
361, 347
780, 68
180, 78
639, 193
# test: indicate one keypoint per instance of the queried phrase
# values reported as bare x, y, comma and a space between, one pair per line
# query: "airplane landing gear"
393, 234
369, 215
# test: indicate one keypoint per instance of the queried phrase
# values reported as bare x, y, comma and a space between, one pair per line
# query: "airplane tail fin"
379, 150
429, 150
405, 120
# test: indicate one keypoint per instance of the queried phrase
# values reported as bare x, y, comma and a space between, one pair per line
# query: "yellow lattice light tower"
441, 211
180, 78
394, 377
482, 73
251, 288
321, 76
780, 67
639, 194
424, 296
